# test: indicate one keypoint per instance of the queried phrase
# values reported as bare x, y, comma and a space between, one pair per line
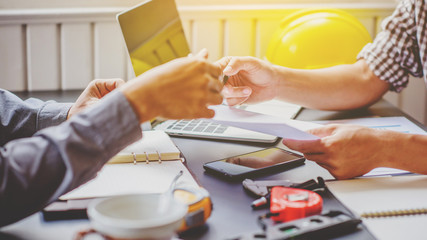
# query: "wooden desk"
232, 215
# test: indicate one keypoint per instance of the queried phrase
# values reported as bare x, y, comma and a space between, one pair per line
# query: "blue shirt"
42, 156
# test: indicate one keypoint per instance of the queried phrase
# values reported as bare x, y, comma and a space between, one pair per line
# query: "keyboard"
198, 125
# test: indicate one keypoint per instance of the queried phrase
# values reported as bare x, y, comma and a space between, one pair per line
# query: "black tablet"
262, 162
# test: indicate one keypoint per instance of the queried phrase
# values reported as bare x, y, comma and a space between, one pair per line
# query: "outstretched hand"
251, 80
180, 89
346, 151
94, 91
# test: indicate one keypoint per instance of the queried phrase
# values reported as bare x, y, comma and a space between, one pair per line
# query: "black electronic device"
328, 225
262, 162
323, 226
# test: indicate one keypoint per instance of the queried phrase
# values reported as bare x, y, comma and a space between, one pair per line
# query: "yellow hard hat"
317, 38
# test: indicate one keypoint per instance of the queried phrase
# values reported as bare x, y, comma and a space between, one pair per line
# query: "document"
399, 124
379, 194
285, 128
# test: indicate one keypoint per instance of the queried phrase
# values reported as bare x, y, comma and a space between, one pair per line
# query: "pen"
224, 79
262, 201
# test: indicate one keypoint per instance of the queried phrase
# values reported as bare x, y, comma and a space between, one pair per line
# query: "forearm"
406, 151
336, 88
19, 119
37, 170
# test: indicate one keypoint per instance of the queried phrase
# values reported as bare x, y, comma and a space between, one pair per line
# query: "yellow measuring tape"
199, 206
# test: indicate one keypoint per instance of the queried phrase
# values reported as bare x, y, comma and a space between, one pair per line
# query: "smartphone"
262, 162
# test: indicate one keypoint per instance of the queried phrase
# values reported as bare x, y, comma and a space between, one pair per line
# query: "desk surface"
232, 215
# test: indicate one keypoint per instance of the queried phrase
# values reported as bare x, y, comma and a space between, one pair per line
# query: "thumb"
202, 54
322, 131
230, 91
305, 146
236, 95
104, 86
111, 84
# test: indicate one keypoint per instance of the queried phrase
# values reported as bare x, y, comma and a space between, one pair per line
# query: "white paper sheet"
129, 178
285, 128
275, 108
399, 124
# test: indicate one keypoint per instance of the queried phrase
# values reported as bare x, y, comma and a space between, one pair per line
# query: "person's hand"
346, 151
251, 80
180, 89
96, 89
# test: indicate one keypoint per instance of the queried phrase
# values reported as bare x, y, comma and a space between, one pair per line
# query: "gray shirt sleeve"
35, 171
19, 119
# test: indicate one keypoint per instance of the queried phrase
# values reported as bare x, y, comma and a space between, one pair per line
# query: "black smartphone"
262, 162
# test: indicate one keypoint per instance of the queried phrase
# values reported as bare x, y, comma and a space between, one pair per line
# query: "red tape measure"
288, 204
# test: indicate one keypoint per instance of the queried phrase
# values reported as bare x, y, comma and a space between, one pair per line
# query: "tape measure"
288, 204
199, 206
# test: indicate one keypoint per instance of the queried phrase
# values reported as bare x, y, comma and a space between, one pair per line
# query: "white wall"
126, 3
62, 44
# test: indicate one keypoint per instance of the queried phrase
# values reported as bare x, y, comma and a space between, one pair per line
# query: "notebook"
153, 35
375, 196
129, 178
141, 176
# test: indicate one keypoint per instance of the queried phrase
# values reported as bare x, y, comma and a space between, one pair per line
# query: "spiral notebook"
401, 198
132, 173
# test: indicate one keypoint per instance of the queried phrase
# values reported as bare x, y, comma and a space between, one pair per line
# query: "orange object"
288, 204
199, 206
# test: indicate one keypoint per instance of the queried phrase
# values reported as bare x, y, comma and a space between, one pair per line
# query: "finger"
223, 62
236, 92
105, 86
322, 131
120, 82
203, 54
214, 84
235, 65
205, 113
305, 146
214, 98
214, 70
109, 84
235, 101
